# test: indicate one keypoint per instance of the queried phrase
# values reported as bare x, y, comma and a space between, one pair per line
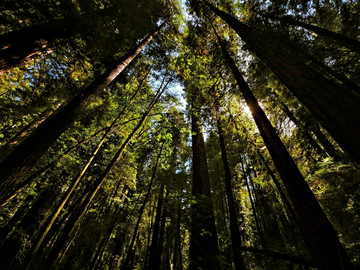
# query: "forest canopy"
179, 134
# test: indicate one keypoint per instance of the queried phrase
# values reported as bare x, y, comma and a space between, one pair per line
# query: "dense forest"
171, 135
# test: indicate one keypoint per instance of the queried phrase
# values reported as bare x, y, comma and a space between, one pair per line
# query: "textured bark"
317, 231
234, 227
336, 108
15, 166
203, 239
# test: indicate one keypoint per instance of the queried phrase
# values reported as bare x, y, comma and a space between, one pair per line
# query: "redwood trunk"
234, 227
154, 257
350, 43
318, 232
15, 166
203, 240
299, 125
76, 218
127, 260
336, 108
20, 46
74, 185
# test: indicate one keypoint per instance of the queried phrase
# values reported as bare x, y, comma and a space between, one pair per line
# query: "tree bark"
74, 185
14, 192
257, 222
15, 166
20, 46
234, 227
127, 260
204, 250
76, 219
177, 246
336, 108
318, 232
154, 256
298, 124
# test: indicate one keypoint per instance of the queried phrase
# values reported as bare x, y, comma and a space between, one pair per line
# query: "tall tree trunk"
120, 241
283, 196
101, 247
15, 191
99, 182
306, 135
257, 222
162, 234
234, 227
27, 129
15, 166
336, 108
312, 126
127, 260
318, 232
325, 69
203, 239
324, 141
154, 256
74, 185
177, 246
345, 41
259, 205
151, 225
26, 227
19, 46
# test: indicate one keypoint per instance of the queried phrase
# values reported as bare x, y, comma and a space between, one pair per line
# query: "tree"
191, 182
350, 43
203, 241
313, 223
234, 227
71, 22
339, 121
15, 166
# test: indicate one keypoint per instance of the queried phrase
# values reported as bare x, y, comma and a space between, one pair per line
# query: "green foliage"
186, 52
